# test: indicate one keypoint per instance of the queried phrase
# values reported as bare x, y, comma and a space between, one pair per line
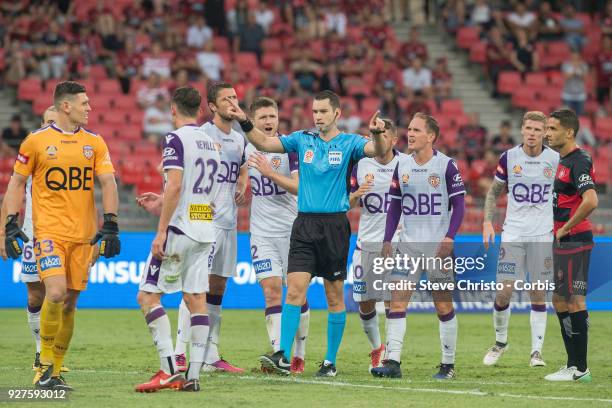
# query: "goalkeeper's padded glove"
108, 237
12, 230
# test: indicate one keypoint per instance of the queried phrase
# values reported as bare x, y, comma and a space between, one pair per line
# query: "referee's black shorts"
320, 245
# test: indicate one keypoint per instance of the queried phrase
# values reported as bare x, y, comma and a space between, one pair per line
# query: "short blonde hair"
534, 115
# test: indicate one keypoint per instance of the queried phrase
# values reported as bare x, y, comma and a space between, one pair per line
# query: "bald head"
50, 116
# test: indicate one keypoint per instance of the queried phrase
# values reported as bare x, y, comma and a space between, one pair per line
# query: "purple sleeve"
354, 180
172, 157
394, 213
294, 162
454, 182
457, 203
501, 172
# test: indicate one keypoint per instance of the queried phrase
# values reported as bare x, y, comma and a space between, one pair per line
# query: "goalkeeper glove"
12, 230
108, 237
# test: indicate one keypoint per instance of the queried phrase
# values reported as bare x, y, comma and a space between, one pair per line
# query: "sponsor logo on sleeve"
584, 180
169, 138
48, 262
23, 158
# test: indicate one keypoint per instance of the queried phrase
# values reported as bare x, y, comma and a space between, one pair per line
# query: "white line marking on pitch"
388, 386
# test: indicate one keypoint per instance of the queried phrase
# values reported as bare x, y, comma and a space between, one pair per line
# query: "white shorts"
29, 271
364, 277
183, 269
519, 256
270, 256
423, 258
222, 261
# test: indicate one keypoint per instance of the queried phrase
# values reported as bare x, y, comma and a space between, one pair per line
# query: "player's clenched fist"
108, 237
12, 232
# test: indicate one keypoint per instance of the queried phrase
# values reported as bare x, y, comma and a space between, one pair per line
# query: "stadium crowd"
132, 54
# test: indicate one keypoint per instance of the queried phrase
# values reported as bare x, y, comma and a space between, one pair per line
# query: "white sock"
273, 325
501, 318
396, 330
159, 326
182, 331
369, 322
299, 350
538, 329
214, 319
34, 323
197, 349
448, 337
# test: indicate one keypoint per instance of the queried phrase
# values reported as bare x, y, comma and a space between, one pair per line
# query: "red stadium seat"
134, 116
130, 132
100, 101
451, 106
522, 96
97, 72
125, 102
109, 86
270, 58
466, 36
536, 79
246, 60
41, 104
603, 128
478, 52
29, 89
508, 81
271, 45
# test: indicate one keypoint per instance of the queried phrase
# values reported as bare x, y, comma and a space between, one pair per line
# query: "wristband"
246, 125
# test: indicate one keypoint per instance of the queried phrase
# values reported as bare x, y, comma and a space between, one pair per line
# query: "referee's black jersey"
575, 175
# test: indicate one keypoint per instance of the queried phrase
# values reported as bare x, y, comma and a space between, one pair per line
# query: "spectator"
418, 104
522, 19
573, 28
549, 28
251, 36
603, 65
13, 135
332, 79
607, 20
472, 137
237, 18
214, 12
16, 68
185, 59
156, 62
484, 174
503, 140
306, 75
53, 66
481, 14
524, 57
442, 80
198, 33
499, 54
279, 80
180, 79
453, 14
389, 106
376, 34
264, 15
335, 20
126, 65
335, 47
210, 62
417, 78
299, 120
349, 122
157, 120
574, 93
413, 48
76, 66
388, 76
151, 91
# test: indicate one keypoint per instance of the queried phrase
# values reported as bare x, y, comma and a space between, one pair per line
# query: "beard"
224, 117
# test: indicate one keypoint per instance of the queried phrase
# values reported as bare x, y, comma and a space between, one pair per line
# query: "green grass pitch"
111, 351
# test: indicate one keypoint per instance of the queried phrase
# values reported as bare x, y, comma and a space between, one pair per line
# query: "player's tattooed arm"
256, 137
488, 232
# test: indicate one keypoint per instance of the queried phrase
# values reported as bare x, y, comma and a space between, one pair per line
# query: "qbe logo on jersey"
335, 158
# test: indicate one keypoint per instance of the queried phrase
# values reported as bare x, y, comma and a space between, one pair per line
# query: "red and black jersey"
575, 175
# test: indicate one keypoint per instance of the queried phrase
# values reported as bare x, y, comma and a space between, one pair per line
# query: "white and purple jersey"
28, 226
273, 209
375, 203
231, 148
530, 190
425, 192
192, 151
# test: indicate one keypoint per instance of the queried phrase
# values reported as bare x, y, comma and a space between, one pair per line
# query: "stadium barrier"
114, 282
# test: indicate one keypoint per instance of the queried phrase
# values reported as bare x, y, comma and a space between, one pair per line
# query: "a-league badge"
88, 152
308, 156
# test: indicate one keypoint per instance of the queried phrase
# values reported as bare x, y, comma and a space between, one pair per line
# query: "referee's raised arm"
255, 136
375, 147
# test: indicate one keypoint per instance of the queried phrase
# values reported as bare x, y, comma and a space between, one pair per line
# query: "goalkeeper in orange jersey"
62, 159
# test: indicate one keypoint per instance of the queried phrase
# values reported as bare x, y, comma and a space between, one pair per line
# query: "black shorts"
571, 267
320, 245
